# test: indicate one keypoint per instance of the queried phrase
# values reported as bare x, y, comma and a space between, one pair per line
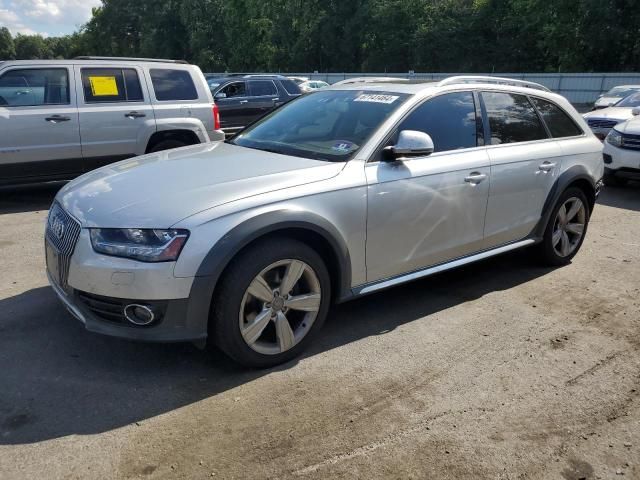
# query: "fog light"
139, 314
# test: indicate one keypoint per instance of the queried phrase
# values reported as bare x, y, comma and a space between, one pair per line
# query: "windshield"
620, 92
630, 101
326, 125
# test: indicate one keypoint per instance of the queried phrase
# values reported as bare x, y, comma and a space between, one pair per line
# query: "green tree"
7, 48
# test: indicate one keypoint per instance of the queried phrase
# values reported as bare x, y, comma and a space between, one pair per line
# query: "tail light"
216, 117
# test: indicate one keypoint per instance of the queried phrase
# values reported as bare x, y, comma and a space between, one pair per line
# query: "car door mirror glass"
410, 143
220, 95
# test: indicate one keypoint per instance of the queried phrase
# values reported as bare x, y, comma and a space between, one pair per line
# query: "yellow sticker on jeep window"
103, 86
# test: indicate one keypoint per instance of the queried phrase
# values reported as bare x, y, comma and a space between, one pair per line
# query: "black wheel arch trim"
236, 239
569, 176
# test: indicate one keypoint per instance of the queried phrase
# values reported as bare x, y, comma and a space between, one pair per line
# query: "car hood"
611, 113
160, 189
606, 101
631, 127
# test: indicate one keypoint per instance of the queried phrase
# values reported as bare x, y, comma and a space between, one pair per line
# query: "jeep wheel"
167, 145
271, 302
566, 229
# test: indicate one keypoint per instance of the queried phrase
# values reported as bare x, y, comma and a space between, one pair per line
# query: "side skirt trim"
380, 285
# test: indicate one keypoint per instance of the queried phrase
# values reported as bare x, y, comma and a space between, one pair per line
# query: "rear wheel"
167, 145
566, 229
271, 302
613, 181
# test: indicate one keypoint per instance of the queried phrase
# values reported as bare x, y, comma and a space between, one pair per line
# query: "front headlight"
614, 138
146, 245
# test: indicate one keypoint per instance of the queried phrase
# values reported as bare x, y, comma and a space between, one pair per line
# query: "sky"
47, 17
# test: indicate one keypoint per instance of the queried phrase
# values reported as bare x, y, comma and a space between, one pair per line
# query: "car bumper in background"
621, 162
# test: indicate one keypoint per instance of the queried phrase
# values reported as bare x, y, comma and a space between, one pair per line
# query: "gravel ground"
500, 370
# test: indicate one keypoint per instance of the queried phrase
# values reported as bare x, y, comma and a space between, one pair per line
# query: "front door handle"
242, 102
135, 115
475, 178
57, 118
547, 167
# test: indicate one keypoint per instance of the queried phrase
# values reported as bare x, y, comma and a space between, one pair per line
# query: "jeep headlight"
146, 245
614, 138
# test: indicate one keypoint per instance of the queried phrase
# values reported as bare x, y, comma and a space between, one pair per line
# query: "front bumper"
621, 162
182, 320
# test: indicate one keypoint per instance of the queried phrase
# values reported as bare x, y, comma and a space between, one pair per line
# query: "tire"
613, 181
236, 311
552, 249
167, 145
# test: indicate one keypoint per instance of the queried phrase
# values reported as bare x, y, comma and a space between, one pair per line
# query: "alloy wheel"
569, 226
280, 306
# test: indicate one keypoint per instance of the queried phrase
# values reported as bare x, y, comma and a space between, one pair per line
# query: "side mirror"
410, 144
220, 95
635, 112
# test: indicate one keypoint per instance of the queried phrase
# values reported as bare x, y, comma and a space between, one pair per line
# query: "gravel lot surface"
500, 370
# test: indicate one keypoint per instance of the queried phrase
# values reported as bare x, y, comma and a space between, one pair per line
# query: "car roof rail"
131, 59
264, 75
488, 79
350, 81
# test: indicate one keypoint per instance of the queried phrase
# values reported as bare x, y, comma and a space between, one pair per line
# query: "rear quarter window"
291, 87
559, 123
172, 84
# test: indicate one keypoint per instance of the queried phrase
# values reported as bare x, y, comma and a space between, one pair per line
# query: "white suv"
622, 153
337, 194
60, 118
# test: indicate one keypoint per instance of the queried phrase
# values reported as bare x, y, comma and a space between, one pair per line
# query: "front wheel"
566, 228
271, 302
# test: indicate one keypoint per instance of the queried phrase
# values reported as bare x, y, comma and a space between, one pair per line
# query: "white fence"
576, 87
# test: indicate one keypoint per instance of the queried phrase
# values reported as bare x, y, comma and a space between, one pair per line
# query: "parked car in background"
622, 153
60, 118
602, 121
614, 95
299, 80
312, 85
336, 195
244, 99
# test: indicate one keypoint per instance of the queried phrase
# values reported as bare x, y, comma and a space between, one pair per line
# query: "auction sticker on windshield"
368, 97
103, 86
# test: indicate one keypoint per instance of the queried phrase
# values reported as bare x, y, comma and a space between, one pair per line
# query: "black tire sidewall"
224, 323
167, 145
549, 252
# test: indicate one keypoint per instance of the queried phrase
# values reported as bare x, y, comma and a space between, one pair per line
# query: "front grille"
62, 234
631, 141
602, 123
106, 308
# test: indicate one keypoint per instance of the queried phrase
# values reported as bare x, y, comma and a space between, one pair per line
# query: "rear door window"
262, 88
449, 119
512, 118
34, 87
172, 84
559, 123
108, 85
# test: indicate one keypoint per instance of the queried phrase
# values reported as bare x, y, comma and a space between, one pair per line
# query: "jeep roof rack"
489, 79
130, 59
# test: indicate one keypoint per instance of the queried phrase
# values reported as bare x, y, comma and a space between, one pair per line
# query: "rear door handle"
242, 102
57, 118
475, 178
135, 115
547, 167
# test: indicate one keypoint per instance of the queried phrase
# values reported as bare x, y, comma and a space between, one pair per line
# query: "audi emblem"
57, 226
